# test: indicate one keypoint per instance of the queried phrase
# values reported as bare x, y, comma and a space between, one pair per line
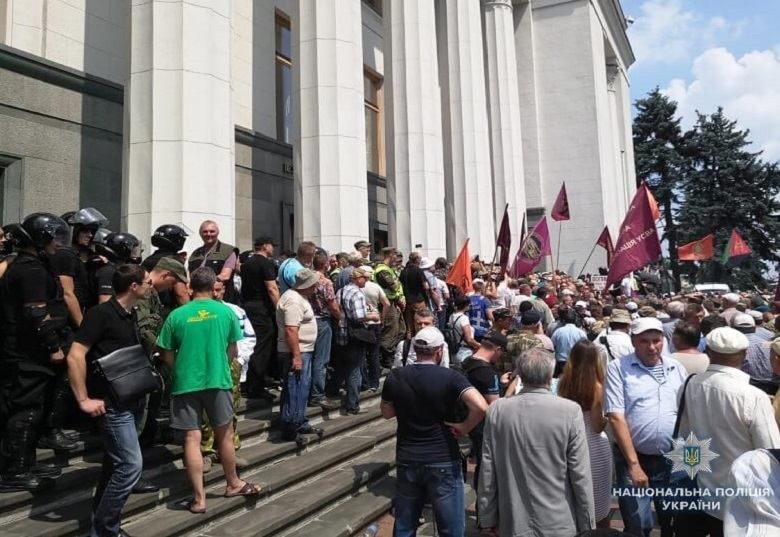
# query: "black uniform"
103, 280
66, 262
27, 373
262, 314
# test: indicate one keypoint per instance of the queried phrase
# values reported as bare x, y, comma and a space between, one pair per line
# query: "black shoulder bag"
357, 332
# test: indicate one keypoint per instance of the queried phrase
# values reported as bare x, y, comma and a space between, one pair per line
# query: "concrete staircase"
335, 486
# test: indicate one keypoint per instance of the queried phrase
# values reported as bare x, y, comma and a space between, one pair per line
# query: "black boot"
17, 475
56, 439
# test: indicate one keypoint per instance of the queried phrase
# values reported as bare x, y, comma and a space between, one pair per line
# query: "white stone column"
331, 189
468, 184
415, 173
179, 127
506, 142
615, 145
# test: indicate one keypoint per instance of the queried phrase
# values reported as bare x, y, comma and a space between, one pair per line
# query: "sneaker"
207, 464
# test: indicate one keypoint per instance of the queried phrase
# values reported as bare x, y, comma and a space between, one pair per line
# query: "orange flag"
653, 204
460, 273
699, 250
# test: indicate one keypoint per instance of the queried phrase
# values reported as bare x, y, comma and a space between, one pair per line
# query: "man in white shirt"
721, 405
615, 342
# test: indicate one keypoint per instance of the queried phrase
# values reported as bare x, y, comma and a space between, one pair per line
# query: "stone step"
281, 500
351, 515
253, 427
57, 513
295, 505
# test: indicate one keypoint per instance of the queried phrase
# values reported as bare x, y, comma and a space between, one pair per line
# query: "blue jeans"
321, 359
354, 358
122, 465
295, 393
637, 512
441, 484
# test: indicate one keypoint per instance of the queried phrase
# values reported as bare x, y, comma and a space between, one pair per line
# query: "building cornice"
617, 25
26, 64
261, 141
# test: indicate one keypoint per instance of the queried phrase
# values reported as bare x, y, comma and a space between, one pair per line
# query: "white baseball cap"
643, 324
428, 338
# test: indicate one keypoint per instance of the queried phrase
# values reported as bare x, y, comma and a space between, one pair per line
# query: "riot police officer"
118, 249
34, 336
169, 240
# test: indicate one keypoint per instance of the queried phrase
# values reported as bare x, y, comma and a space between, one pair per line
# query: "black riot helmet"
169, 237
100, 235
87, 218
121, 247
39, 230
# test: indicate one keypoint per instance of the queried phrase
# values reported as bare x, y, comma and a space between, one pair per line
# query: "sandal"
192, 509
249, 489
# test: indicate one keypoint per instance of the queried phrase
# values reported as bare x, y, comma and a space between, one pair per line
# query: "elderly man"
757, 363
676, 311
289, 268
217, 255
535, 483
297, 327
615, 342
721, 405
354, 260
729, 303
428, 457
640, 403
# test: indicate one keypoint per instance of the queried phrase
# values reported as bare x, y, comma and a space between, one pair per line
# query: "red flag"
653, 204
605, 241
699, 250
460, 273
560, 210
637, 244
504, 240
736, 250
535, 246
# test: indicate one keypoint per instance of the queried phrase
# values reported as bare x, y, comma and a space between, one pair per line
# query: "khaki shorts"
187, 409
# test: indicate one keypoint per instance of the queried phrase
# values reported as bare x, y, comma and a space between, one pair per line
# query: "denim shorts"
187, 409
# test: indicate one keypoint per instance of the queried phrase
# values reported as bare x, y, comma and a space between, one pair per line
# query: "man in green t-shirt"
198, 341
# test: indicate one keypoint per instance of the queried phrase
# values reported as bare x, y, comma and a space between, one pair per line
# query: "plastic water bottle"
372, 530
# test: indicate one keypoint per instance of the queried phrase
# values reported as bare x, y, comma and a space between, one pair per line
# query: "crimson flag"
560, 210
504, 240
653, 204
534, 247
637, 244
460, 273
605, 241
699, 250
736, 250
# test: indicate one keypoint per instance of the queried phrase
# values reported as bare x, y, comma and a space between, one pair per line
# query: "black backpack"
452, 337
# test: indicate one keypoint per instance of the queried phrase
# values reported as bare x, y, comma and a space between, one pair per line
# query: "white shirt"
754, 516
722, 405
412, 356
373, 293
619, 343
246, 346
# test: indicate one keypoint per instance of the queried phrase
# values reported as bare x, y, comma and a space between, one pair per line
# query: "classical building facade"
408, 122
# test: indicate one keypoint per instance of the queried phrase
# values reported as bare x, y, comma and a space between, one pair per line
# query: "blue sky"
705, 53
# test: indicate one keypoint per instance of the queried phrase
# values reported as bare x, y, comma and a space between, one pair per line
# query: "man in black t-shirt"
428, 457
106, 328
480, 369
415, 289
259, 294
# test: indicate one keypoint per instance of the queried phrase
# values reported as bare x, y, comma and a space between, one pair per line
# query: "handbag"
128, 374
356, 332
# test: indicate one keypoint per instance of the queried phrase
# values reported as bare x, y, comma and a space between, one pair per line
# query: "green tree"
727, 186
657, 143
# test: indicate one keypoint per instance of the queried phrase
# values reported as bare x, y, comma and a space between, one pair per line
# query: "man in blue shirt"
565, 337
480, 314
290, 267
640, 402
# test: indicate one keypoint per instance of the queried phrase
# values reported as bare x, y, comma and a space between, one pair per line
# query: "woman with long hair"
582, 381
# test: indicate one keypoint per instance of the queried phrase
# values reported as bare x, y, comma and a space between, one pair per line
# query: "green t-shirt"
200, 332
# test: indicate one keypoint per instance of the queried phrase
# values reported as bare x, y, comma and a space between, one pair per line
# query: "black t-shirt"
104, 279
66, 262
106, 328
254, 273
413, 280
422, 395
484, 377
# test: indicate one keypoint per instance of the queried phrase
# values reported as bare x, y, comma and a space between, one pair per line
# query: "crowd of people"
569, 394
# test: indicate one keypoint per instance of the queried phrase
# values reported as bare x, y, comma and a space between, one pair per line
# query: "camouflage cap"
173, 266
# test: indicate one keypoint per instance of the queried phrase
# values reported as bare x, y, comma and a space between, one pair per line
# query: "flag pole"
588, 259
558, 253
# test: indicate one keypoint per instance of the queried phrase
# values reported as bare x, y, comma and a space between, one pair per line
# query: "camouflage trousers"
393, 331
207, 432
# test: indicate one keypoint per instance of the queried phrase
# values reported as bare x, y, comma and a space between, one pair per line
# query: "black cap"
496, 338
263, 240
530, 318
